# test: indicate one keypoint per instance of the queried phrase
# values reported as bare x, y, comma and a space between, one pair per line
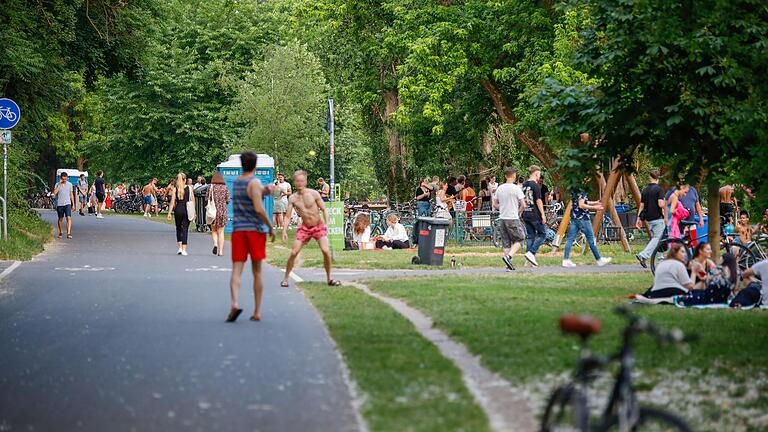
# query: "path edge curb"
494, 394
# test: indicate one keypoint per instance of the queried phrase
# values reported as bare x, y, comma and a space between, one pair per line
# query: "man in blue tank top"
251, 225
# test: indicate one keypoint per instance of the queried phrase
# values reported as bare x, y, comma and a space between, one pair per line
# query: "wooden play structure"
617, 184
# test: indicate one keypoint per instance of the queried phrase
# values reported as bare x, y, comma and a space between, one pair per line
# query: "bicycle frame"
622, 401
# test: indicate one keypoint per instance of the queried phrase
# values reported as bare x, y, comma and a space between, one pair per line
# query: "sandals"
60, 235
253, 318
284, 284
233, 314
334, 282
69, 236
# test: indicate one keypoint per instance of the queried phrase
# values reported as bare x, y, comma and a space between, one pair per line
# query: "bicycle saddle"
583, 325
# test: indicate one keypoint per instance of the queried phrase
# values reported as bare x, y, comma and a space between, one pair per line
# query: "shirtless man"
744, 230
308, 204
148, 191
729, 206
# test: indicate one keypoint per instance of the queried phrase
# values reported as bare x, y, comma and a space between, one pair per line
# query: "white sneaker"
99, 216
603, 261
146, 214
179, 252
184, 253
568, 263
531, 259
385, 248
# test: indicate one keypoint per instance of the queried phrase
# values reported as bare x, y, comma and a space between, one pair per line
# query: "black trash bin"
201, 202
432, 235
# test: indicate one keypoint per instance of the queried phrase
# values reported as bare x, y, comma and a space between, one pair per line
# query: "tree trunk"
394, 143
540, 150
713, 202
80, 162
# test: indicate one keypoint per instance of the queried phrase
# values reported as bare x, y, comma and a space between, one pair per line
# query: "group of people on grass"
701, 282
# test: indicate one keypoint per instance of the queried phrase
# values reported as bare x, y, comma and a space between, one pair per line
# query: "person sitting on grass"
671, 278
701, 263
717, 287
361, 232
395, 237
756, 291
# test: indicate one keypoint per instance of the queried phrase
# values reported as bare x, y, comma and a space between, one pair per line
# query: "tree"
281, 105
683, 80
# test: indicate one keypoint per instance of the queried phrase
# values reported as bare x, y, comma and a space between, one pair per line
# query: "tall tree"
281, 106
683, 80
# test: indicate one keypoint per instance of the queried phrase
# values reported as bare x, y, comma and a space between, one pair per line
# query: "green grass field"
27, 235
406, 383
466, 256
717, 383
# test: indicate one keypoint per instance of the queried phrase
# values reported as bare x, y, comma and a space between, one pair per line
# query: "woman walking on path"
182, 194
219, 193
580, 223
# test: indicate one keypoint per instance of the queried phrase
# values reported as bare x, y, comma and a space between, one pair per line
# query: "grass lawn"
466, 256
27, 234
406, 383
511, 322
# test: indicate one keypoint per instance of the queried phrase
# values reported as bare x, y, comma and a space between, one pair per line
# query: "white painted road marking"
10, 268
209, 269
85, 268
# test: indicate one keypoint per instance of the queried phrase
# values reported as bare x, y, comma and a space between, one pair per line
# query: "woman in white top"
442, 201
361, 232
395, 237
671, 276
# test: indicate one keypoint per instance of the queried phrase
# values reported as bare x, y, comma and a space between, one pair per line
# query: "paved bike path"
113, 331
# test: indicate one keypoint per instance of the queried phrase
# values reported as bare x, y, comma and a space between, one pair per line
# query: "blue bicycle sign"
9, 113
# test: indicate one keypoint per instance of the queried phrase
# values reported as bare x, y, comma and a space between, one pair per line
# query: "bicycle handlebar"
644, 325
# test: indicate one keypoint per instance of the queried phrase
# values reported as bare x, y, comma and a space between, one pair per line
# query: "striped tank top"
244, 216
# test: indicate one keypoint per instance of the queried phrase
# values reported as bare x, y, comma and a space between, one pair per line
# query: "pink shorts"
305, 233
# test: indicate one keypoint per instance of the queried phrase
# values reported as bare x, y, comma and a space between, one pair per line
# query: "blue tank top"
245, 218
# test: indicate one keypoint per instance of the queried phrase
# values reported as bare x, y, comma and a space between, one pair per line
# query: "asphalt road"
112, 331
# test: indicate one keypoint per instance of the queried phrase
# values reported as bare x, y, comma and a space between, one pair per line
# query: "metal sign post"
332, 127
10, 114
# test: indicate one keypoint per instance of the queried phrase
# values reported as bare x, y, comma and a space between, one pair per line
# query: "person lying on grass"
395, 237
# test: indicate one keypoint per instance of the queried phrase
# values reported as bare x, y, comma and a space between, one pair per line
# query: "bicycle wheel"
566, 410
659, 253
653, 420
744, 256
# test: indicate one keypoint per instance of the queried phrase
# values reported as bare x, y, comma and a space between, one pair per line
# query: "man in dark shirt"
533, 216
653, 209
450, 192
100, 194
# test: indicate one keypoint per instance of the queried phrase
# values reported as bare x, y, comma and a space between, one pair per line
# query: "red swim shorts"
246, 243
305, 233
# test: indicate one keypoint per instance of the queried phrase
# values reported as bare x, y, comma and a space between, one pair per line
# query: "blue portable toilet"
232, 169
73, 175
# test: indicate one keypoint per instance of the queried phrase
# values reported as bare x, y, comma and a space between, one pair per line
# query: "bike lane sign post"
10, 114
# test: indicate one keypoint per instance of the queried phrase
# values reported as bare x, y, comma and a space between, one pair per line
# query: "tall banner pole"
5, 190
332, 130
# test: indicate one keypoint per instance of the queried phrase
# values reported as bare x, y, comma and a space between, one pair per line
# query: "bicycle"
744, 256
8, 114
568, 406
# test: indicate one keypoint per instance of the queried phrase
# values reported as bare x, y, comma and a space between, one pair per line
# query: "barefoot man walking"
308, 204
251, 225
